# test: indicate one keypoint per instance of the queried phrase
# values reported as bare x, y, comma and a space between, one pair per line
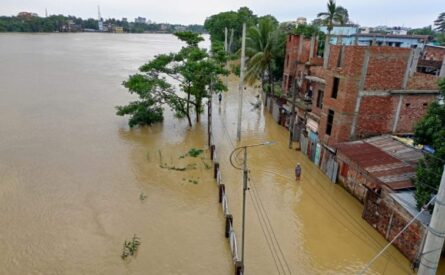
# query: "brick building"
378, 172
354, 92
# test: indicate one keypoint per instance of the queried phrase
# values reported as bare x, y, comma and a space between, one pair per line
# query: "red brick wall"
410, 115
421, 81
375, 116
434, 53
378, 212
386, 68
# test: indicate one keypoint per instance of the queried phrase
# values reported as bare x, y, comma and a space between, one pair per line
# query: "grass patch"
130, 247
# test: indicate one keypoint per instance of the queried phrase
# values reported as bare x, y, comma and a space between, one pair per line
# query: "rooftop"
384, 158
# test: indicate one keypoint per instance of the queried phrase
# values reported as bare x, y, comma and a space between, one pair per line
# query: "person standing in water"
219, 97
297, 172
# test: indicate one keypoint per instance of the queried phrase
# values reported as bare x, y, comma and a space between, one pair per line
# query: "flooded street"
72, 175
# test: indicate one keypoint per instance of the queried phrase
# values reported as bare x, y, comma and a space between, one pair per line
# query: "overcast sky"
410, 13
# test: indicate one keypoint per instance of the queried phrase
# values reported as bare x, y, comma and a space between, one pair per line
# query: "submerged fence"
229, 230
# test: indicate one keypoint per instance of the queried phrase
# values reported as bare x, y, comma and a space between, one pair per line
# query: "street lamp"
237, 165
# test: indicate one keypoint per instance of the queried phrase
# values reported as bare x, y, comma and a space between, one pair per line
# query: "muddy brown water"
71, 176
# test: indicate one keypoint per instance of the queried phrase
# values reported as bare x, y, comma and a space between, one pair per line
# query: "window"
330, 122
320, 99
398, 44
335, 87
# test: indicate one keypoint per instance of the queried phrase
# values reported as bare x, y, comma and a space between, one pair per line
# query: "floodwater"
75, 181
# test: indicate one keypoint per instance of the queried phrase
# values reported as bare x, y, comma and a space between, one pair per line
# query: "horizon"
378, 13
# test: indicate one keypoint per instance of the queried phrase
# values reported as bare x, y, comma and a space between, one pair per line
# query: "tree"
180, 80
334, 15
216, 24
428, 30
431, 131
440, 23
264, 47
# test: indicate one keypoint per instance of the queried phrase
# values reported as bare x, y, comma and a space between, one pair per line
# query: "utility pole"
241, 83
292, 114
429, 259
226, 49
245, 189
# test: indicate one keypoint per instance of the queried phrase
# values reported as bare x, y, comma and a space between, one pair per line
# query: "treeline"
61, 23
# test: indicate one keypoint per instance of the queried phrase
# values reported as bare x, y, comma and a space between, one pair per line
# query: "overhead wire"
376, 243
262, 221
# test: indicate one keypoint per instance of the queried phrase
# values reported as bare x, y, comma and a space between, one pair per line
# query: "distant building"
301, 21
141, 20
26, 15
180, 28
124, 19
117, 29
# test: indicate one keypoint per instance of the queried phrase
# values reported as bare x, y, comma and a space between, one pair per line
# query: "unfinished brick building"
360, 91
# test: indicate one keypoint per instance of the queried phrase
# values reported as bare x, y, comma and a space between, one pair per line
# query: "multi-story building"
141, 20
354, 92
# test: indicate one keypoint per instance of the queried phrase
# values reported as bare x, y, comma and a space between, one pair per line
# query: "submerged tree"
180, 80
431, 131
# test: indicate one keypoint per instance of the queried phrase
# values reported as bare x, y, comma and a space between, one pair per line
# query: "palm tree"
264, 43
334, 15
440, 23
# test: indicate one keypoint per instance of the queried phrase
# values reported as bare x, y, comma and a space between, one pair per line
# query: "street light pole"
245, 188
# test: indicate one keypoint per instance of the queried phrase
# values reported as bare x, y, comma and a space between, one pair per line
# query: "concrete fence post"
229, 222
212, 150
215, 170
239, 268
222, 190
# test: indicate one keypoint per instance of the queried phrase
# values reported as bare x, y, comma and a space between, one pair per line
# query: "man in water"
219, 97
297, 172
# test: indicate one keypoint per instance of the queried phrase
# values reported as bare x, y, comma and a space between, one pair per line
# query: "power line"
397, 236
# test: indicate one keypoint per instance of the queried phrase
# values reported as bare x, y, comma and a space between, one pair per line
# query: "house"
379, 171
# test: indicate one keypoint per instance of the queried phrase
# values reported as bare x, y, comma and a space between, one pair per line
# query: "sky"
407, 13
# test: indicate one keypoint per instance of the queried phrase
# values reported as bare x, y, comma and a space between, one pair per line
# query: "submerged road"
308, 227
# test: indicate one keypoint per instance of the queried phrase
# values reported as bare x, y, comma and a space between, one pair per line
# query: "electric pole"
241, 83
429, 259
292, 113
226, 49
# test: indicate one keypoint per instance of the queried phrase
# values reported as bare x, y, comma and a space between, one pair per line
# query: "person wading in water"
297, 172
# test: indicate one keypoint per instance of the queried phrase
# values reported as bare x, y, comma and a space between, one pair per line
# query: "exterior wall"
294, 62
420, 81
434, 53
412, 110
376, 116
388, 218
386, 68
352, 180
385, 73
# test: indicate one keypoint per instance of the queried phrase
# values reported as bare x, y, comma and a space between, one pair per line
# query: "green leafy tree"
440, 23
264, 47
216, 24
180, 80
431, 131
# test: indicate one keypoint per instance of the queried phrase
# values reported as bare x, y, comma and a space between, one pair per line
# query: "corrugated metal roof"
389, 161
